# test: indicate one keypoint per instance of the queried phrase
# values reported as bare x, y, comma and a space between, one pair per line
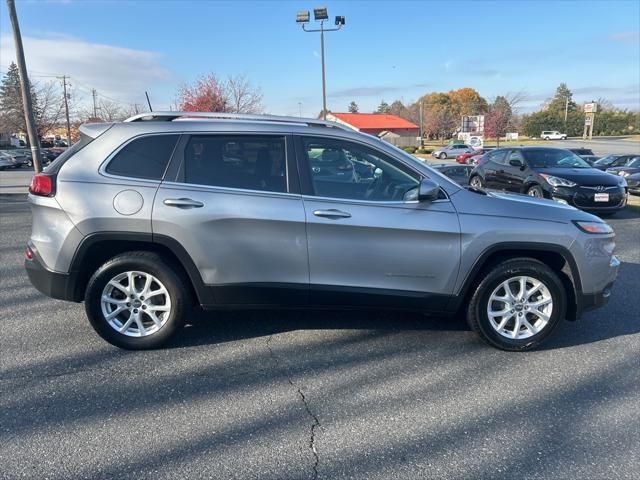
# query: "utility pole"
300, 108
66, 109
566, 112
95, 110
25, 88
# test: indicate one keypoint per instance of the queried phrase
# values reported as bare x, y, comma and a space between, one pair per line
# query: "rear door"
494, 168
233, 202
370, 241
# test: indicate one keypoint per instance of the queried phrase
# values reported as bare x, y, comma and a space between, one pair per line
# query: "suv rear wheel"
136, 301
517, 304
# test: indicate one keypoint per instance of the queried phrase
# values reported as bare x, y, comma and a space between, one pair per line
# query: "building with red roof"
375, 124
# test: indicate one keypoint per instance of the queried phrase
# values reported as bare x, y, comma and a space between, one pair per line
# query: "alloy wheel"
135, 304
520, 307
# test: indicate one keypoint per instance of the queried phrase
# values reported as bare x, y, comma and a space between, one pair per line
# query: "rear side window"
145, 157
248, 162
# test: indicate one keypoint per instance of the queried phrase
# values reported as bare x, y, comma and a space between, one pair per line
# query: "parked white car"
553, 135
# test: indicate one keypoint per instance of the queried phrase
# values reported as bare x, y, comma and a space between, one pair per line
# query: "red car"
473, 157
467, 158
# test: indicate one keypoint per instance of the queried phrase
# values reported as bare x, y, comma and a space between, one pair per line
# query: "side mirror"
428, 190
516, 163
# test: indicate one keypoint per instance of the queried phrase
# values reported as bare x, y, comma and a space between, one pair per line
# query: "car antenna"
148, 101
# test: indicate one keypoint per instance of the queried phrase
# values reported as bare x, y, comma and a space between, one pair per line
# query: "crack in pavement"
316, 422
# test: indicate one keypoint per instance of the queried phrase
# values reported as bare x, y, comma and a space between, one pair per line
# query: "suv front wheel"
136, 301
517, 304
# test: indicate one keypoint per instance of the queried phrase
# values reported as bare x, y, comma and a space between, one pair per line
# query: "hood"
582, 176
518, 206
527, 199
617, 170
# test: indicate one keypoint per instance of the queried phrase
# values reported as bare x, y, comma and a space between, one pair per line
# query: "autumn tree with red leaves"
210, 94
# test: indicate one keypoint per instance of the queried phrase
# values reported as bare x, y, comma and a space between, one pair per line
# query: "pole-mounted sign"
590, 110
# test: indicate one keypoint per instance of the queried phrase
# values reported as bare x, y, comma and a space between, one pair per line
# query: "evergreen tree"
558, 102
383, 107
11, 109
353, 107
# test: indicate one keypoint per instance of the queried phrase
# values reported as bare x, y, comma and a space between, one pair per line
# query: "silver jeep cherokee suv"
145, 219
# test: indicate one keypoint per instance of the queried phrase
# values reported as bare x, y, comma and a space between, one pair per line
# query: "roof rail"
171, 116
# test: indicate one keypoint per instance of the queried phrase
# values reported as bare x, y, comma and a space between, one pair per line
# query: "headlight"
557, 181
624, 174
593, 227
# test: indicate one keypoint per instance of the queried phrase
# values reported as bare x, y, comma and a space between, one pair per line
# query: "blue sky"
387, 50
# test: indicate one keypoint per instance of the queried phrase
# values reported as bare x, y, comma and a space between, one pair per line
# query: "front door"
234, 208
370, 241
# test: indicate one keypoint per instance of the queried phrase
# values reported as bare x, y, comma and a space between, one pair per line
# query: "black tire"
477, 178
535, 191
146, 262
478, 319
442, 156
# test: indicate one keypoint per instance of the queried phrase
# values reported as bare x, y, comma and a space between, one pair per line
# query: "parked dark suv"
553, 173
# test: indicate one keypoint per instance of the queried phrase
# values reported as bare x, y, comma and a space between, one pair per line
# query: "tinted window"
515, 155
342, 169
497, 156
609, 159
144, 157
245, 161
554, 158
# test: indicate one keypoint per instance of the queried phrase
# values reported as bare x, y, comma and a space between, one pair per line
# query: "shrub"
424, 151
411, 150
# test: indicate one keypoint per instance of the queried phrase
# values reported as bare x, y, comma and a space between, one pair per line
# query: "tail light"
42, 185
28, 253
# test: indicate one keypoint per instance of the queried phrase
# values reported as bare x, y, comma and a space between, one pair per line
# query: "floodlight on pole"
303, 16
320, 14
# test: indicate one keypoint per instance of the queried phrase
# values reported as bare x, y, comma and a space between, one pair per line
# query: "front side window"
341, 169
498, 156
145, 157
554, 158
515, 155
243, 161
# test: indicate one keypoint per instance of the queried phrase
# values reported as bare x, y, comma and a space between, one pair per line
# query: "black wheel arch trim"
204, 294
479, 264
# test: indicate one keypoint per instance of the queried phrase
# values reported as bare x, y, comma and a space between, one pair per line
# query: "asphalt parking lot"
319, 394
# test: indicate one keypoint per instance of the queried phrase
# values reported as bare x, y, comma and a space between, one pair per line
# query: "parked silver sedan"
452, 151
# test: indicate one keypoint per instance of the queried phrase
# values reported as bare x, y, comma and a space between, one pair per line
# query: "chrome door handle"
182, 203
331, 213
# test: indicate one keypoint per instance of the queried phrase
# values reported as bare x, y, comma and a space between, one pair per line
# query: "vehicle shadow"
226, 326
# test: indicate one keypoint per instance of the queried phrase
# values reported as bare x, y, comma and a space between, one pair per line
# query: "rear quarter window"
144, 157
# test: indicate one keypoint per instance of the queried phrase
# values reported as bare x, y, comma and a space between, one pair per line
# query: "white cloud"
121, 73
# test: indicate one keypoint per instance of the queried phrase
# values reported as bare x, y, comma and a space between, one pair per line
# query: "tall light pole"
25, 87
320, 14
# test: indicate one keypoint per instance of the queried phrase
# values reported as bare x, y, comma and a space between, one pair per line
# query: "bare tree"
49, 107
243, 97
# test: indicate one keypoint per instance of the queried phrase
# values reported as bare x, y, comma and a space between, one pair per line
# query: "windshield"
553, 158
606, 160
